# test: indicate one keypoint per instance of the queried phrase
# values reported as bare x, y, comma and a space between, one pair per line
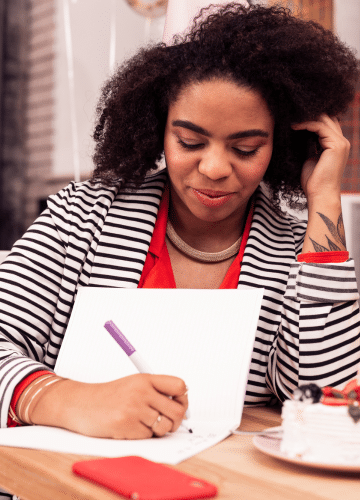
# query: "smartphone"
140, 479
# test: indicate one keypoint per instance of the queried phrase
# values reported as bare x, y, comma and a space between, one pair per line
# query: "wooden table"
238, 469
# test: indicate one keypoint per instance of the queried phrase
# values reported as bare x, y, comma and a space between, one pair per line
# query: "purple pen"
125, 345
130, 351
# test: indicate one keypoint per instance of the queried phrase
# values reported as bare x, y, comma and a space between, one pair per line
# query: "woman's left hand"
322, 176
321, 181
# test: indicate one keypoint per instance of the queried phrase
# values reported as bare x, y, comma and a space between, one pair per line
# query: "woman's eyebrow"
191, 126
249, 133
238, 135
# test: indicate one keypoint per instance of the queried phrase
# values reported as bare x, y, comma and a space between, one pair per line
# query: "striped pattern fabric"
308, 329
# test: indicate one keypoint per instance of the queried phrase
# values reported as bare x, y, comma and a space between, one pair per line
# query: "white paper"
170, 449
203, 336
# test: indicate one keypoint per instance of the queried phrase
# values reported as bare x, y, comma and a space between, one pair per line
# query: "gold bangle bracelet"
26, 413
15, 417
27, 391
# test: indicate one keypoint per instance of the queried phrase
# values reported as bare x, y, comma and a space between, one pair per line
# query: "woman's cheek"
255, 171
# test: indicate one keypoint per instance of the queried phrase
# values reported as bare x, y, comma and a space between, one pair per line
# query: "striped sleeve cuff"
327, 282
14, 369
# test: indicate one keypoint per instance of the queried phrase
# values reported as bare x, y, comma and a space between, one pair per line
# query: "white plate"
271, 446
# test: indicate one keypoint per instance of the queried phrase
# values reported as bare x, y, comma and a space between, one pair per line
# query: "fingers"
169, 385
146, 425
161, 426
162, 402
322, 174
183, 400
319, 126
324, 127
158, 424
172, 400
171, 409
127, 408
329, 132
336, 123
323, 118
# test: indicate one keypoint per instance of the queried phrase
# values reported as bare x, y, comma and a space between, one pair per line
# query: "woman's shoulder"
152, 186
87, 198
85, 191
80, 207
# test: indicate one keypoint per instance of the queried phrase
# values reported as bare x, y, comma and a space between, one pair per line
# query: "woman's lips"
211, 198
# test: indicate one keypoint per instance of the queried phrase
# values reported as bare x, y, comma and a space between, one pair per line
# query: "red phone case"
141, 479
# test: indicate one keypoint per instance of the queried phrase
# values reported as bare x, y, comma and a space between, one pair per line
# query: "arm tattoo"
337, 232
332, 246
341, 230
318, 247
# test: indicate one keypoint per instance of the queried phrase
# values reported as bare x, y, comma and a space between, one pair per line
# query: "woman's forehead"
209, 102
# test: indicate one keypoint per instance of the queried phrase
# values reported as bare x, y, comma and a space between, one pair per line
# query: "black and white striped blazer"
308, 328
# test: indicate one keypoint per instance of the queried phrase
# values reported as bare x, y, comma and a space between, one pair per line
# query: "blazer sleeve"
38, 282
318, 340
30, 280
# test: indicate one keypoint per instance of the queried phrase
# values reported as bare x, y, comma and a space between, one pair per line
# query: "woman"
250, 95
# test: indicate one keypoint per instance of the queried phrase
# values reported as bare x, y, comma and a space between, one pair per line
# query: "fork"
272, 433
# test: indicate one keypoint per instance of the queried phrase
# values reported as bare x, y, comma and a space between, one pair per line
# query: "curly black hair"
301, 69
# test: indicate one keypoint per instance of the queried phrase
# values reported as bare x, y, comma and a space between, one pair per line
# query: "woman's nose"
215, 164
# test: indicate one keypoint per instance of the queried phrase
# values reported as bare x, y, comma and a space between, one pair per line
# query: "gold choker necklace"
197, 254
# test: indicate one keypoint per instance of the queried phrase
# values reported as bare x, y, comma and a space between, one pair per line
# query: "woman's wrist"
325, 229
328, 200
33, 396
62, 404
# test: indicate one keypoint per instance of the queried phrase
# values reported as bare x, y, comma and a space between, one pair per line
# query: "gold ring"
157, 421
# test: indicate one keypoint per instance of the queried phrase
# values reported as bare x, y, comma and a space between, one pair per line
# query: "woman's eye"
244, 152
187, 145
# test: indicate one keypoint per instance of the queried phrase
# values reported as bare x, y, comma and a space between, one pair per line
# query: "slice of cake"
323, 425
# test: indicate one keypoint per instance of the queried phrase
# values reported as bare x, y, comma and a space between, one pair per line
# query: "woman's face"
218, 144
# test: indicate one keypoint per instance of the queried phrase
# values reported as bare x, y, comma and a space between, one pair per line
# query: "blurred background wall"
54, 58
14, 65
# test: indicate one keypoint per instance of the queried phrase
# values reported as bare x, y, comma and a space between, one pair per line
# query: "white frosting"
320, 433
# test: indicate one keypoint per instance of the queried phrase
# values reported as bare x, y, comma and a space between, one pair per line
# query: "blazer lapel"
269, 251
126, 235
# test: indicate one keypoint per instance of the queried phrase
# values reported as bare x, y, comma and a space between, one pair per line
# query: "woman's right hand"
127, 408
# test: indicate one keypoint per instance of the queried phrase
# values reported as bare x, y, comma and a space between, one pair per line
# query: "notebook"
205, 337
